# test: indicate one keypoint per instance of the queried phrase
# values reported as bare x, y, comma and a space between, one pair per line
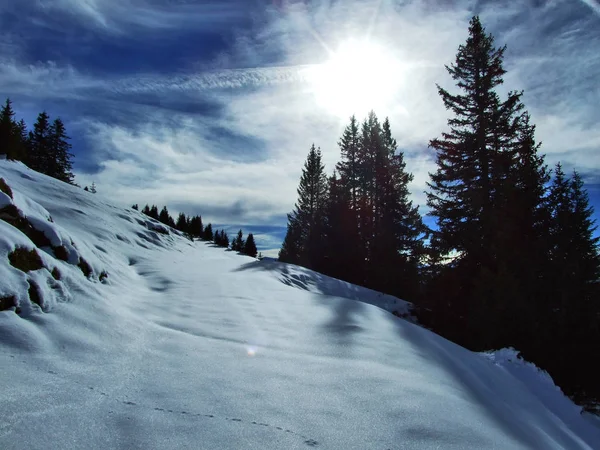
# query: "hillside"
159, 342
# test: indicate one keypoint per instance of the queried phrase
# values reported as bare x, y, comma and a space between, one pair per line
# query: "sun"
360, 76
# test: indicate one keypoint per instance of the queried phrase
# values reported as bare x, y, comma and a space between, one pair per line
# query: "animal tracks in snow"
307, 441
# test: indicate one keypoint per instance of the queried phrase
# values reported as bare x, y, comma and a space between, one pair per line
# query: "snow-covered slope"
183, 345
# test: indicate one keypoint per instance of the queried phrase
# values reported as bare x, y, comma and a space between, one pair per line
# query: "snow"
186, 345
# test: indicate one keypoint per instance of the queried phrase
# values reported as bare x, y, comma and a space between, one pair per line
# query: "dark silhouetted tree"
250, 246
208, 233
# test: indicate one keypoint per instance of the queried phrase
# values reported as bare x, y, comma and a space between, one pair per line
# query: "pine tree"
469, 190
135, 206
224, 239
38, 155
59, 164
12, 138
305, 223
208, 233
181, 224
250, 246
238, 242
572, 333
196, 229
163, 217
154, 212
349, 167
146, 209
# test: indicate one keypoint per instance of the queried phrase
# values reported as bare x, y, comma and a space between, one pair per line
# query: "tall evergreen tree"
208, 233
164, 216
59, 164
305, 223
182, 223
12, 135
38, 155
238, 242
469, 192
196, 228
250, 246
154, 212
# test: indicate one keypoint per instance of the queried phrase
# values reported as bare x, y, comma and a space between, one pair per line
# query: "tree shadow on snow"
504, 399
340, 297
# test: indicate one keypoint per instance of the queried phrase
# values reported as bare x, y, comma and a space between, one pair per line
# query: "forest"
512, 260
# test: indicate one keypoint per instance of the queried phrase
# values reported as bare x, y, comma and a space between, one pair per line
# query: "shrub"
56, 274
25, 260
85, 267
5, 188
34, 293
61, 253
7, 302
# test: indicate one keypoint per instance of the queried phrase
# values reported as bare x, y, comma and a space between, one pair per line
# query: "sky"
210, 107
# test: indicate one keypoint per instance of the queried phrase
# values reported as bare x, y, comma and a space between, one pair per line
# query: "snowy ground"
185, 345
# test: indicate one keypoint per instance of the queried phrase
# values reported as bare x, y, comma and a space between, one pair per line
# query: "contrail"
221, 79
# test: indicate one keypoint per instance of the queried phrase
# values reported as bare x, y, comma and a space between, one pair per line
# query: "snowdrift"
147, 340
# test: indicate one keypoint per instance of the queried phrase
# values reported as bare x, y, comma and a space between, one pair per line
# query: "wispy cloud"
126, 16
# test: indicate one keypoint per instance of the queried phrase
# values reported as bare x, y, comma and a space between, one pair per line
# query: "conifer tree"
196, 228
208, 233
12, 134
468, 194
39, 144
59, 164
224, 239
182, 223
163, 217
238, 242
250, 246
145, 210
154, 212
305, 223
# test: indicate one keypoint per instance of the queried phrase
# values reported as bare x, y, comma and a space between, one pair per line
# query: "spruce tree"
59, 164
38, 155
305, 223
182, 222
154, 212
208, 233
250, 246
349, 166
572, 307
224, 239
238, 242
470, 190
163, 217
196, 229
12, 135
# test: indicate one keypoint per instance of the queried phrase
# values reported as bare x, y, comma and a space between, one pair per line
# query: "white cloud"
126, 16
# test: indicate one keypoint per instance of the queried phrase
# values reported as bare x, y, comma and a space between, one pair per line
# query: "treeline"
193, 227
45, 149
512, 261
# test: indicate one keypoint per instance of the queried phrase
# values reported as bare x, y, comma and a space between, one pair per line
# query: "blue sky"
211, 106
